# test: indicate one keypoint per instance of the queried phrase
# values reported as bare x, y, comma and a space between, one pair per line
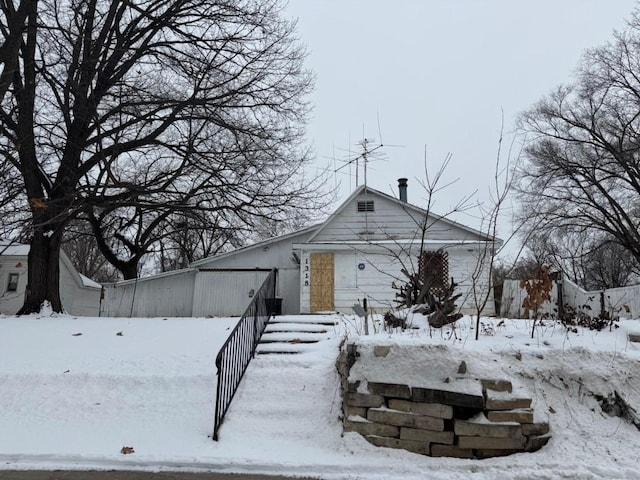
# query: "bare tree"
583, 172
590, 259
12, 23
126, 113
609, 265
482, 287
80, 244
13, 17
424, 283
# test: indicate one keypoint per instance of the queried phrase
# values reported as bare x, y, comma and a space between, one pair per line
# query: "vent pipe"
402, 189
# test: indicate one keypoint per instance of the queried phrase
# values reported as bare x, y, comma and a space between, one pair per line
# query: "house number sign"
361, 266
306, 272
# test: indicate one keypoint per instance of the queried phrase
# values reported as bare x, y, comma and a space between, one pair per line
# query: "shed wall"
225, 294
276, 254
161, 296
77, 299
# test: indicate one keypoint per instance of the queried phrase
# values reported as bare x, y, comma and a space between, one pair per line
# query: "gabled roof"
403, 205
315, 230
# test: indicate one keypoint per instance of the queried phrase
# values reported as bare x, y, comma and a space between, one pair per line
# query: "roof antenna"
368, 149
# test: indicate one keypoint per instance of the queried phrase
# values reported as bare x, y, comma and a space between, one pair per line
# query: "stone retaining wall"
476, 418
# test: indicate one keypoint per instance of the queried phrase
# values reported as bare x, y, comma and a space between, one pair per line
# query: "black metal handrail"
236, 353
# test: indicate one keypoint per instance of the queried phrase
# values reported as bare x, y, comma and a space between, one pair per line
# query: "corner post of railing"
216, 425
274, 285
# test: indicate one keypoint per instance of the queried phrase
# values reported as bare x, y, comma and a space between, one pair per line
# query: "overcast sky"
437, 73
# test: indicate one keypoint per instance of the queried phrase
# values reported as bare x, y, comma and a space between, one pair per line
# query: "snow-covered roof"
12, 249
87, 282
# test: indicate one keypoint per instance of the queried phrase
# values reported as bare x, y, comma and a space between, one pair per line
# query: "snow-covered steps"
296, 327
329, 320
294, 334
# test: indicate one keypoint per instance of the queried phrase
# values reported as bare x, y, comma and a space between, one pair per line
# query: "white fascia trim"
391, 245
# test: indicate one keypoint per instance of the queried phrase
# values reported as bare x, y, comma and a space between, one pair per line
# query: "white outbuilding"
80, 295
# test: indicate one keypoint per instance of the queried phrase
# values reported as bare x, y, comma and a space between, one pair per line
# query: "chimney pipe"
402, 189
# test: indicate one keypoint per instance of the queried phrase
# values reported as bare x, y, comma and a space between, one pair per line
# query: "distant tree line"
579, 183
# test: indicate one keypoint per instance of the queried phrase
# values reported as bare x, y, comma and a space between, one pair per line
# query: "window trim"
12, 286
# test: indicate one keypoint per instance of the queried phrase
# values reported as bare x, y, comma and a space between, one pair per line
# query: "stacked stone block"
441, 422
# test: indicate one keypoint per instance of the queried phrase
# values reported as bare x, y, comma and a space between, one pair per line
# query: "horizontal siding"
389, 221
169, 296
374, 281
11, 302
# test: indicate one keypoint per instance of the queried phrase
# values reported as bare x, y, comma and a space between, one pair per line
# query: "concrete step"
294, 334
295, 327
327, 320
280, 348
293, 340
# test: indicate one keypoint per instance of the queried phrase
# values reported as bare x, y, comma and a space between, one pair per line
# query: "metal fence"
240, 347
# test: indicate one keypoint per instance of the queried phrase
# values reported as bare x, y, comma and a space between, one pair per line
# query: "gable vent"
365, 206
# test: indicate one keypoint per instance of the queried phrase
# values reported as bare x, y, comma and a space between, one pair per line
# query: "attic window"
12, 284
365, 206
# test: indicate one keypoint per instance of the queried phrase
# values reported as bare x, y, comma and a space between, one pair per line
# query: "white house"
355, 254
360, 250
79, 294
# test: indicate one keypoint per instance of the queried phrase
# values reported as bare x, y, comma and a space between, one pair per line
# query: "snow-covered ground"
74, 391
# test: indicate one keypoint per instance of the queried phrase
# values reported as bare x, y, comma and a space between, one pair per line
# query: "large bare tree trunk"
43, 272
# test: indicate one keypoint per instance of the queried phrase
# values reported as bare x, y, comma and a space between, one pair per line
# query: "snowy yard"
74, 391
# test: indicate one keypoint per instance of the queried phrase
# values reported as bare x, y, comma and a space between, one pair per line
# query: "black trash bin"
274, 306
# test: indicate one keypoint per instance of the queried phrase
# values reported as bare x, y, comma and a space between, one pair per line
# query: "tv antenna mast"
368, 149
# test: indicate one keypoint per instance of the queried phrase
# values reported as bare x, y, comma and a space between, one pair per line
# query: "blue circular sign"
361, 266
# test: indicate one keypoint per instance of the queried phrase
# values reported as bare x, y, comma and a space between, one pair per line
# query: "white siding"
279, 254
76, 298
10, 302
288, 288
462, 263
224, 294
389, 221
370, 275
160, 296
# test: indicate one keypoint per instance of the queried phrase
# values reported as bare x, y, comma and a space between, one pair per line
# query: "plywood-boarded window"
434, 270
